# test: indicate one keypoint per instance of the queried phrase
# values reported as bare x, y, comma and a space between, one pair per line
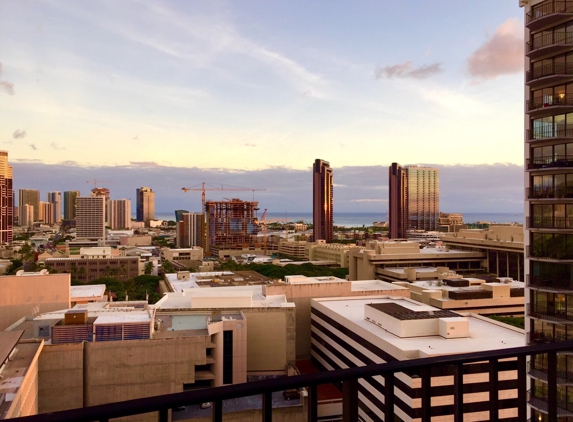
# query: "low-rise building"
28, 293
366, 263
351, 332
88, 269
183, 256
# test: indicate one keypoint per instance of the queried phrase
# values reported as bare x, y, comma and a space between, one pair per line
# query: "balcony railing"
550, 251
540, 371
546, 104
553, 161
549, 223
538, 400
550, 192
559, 130
549, 41
547, 12
550, 69
563, 316
548, 282
426, 367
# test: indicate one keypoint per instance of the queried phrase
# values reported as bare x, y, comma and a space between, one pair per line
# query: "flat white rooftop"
484, 333
373, 285
109, 312
183, 299
191, 281
87, 291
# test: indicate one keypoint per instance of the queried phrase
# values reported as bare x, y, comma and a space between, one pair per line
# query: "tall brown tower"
322, 200
398, 201
6, 200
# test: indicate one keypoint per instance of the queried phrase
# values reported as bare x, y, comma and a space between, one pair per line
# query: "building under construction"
231, 224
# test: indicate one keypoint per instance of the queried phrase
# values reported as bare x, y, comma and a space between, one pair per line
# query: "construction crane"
205, 187
96, 181
263, 222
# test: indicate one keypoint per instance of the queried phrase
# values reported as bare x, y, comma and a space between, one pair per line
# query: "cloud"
463, 188
143, 164
6, 86
19, 134
250, 145
407, 70
369, 200
55, 146
501, 54
33, 146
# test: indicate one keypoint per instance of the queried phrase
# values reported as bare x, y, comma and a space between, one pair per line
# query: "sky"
169, 94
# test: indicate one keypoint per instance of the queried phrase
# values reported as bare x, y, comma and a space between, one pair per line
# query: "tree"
167, 267
148, 268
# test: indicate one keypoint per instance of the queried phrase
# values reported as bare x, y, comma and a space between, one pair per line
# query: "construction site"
231, 224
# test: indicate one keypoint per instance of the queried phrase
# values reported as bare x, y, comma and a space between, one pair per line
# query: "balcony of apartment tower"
548, 13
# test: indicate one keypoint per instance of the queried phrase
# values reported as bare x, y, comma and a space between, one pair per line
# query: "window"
227, 357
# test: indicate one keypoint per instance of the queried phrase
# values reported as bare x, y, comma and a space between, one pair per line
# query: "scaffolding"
231, 223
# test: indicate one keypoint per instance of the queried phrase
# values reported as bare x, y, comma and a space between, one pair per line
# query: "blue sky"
245, 87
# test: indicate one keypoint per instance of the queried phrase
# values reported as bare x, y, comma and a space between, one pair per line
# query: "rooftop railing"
349, 378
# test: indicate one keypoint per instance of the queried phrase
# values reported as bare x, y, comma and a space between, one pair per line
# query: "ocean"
359, 219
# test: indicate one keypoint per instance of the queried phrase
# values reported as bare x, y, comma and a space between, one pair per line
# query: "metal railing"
549, 8
553, 192
546, 40
550, 251
549, 282
538, 399
543, 312
349, 378
550, 69
557, 130
550, 162
549, 101
540, 370
549, 223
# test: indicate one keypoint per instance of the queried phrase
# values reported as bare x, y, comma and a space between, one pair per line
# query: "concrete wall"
87, 374
21, 296
26, 401
271, 339
61, 377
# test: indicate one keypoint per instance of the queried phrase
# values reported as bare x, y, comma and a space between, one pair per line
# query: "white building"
350, 332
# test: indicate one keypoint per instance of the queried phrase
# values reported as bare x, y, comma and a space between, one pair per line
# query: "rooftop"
485, 334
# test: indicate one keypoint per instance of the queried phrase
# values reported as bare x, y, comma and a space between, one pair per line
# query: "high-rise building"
414, 199
423, 198
145, 204
47, 213
6, 200
549, 201
230, 223
70, 204
190, 230
398, 201
56, 199
105, 193
322, 200
90, 217
26, 215
179, 215
28, 197
119, 213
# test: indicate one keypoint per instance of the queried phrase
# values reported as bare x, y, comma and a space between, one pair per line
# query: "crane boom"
204, 187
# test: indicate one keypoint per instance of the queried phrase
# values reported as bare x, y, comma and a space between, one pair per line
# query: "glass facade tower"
549, 200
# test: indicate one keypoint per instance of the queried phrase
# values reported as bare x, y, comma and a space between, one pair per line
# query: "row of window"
552, 245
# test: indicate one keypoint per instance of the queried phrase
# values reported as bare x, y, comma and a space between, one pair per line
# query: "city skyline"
254, 81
